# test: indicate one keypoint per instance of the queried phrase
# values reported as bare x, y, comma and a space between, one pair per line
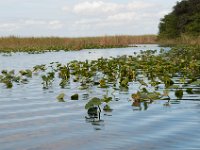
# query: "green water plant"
146, 96
64, 74
152, 76
48, 79
102, 83
106, 99
189, 91
94, 102
61, 97
38, 68
27, 73
75, 97
179, 93
94, 105
9, 77
107, 108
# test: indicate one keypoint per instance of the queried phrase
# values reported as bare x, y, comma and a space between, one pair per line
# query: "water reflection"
167, 104
141, 106
98, 124
85, 96
26, 61
175, 102
94, 117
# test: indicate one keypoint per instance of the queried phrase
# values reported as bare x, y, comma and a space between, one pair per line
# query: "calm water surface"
32, 119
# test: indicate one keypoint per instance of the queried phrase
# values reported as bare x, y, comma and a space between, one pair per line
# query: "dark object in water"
74, 97
93, 112
179, 94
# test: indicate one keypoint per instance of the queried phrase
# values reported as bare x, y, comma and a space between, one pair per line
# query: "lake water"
32, 119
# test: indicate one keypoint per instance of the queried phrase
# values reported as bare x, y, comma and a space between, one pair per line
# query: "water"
26, 61
32, 119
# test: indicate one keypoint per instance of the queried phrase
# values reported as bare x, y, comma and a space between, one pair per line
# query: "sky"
79, 18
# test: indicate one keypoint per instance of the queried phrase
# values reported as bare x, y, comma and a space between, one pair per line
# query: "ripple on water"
31, 118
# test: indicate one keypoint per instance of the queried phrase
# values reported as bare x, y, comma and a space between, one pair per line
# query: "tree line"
183, 20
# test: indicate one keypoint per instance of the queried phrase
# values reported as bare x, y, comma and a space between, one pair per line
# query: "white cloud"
8, 26
65, 8
87, 21
103, 15
25, 24
95, 7
106, 14
55, 24
84, 17
121, 17
34, 22
139, 5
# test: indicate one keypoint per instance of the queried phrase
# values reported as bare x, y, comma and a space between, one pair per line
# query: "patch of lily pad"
155, 75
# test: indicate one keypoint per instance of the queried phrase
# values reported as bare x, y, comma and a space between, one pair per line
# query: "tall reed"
183, 40
15, 44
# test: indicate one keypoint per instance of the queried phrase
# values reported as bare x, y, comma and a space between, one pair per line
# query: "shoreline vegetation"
184, 40
179, 27
43, 44
182, 25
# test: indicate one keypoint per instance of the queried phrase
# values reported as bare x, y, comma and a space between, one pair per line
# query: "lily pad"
93, 102
75, 97
179, 94
60, 97
189, 91
107, 108
106, 99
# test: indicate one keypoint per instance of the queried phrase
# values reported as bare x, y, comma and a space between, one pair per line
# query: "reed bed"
183, 40
40, 44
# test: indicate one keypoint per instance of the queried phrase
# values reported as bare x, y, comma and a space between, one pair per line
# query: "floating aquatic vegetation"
106, 99
189, 91
8, 77
75, 97
27, 73
48, 79
38, 68
156, 76
179, 93
94, 102
92, 112
107, 108
102, 83
61, 97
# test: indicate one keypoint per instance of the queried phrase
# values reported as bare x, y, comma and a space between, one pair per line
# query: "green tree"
184, 19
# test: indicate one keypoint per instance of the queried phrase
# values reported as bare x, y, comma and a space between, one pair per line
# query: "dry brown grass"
183, 40
13, 43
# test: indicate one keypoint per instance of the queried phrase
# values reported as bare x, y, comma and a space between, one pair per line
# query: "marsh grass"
183, 40
41, 44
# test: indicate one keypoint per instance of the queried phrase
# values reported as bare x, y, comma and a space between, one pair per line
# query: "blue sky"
75, 18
